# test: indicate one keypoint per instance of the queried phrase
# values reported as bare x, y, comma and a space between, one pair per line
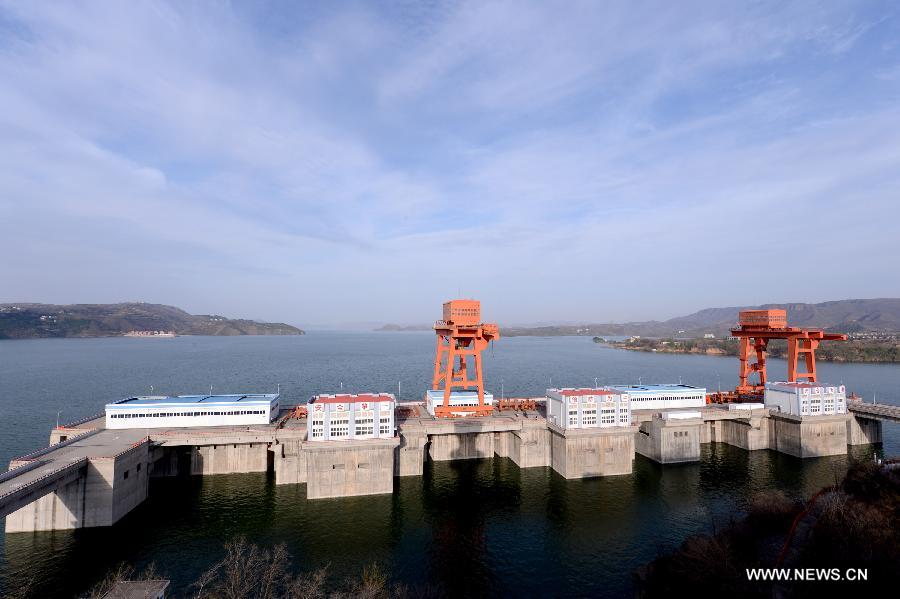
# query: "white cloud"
188, 154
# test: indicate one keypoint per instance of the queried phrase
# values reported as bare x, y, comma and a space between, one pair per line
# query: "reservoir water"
475, 527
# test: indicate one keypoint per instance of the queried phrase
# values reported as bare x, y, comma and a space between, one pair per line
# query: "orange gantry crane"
757, 327
461, 335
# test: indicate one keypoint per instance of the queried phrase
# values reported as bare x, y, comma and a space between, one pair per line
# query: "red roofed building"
351, 416
597, 407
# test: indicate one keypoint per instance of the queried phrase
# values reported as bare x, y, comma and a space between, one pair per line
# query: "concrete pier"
409, 457
106, 488
461, 446
669, 441
529, 447
863, 431
589, 452
289, 462
808, 436
348, 468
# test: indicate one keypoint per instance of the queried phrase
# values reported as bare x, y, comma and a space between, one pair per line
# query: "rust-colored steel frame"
802, 345
455, 343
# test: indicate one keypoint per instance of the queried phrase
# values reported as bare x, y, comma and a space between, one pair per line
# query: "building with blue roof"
660, 397
177, 411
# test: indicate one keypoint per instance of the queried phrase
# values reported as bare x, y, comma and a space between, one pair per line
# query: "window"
384, 430
138, 468
125, 474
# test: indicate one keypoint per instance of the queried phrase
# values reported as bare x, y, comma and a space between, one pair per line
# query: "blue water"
511, 531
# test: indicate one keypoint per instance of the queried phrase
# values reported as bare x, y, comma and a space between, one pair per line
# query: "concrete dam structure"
342, 445
93, 476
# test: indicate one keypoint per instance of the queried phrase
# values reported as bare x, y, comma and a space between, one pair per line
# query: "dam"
91, 475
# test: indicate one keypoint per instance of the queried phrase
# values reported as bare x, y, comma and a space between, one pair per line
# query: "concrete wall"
808, 436
461, 446
583, 453
747, 433
99, 498
230, 458
131, 478
61, 510
863, 431
290, 462
711, 432
669, 441
530, 447
348, 468
409, 456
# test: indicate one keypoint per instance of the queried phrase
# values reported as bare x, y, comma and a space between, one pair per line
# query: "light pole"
595, 382
502, 396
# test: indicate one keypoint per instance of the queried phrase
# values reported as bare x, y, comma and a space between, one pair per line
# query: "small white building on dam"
588, 408
181, 411
435, 397
662, 397
346, 416
806, 399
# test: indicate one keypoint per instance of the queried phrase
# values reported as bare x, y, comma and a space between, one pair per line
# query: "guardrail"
83, 420
886, 410
78, 463
48, 449
19, 470
134, 446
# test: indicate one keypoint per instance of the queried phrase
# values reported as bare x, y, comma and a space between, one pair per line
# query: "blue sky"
338, 162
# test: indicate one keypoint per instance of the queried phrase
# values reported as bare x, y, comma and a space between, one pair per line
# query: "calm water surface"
476, 527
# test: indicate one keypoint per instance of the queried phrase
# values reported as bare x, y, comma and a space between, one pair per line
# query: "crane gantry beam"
758, 327
460, 336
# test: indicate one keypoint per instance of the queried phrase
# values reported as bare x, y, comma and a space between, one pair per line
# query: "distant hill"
845, 316
31, 321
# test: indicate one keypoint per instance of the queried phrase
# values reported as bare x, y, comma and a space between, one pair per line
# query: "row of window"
318, 433
668, 398
172, 414
592, 421
321, 421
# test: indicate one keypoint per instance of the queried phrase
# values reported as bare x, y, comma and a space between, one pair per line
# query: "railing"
133, 446
46, 450
78, 463
18, 470
886, 410
83, 420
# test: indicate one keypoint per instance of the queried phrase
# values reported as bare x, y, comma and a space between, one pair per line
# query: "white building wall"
588, 410
353, 419
656, 400
434, 398
123, 416
806, 400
